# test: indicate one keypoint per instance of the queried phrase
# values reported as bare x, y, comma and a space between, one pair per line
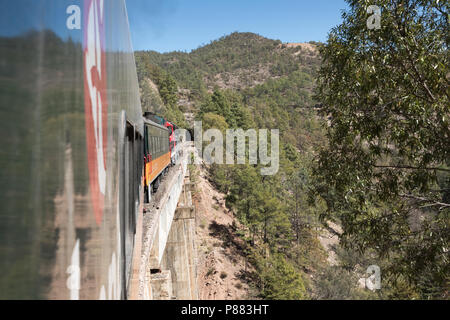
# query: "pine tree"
385, 171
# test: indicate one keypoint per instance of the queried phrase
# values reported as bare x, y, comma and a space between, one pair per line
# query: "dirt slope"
221, 264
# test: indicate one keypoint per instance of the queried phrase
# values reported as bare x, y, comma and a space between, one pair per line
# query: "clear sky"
168, 25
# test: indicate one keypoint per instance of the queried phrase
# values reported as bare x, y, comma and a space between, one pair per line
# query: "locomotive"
76, 151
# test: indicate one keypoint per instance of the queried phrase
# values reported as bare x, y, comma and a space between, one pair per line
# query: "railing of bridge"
157, 232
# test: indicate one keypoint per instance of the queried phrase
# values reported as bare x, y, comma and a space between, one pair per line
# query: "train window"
152, 142
157, 144
158, 141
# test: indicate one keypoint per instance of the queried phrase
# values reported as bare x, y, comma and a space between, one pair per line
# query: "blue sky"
168, 25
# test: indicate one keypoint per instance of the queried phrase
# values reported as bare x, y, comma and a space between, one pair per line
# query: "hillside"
237, 61
259, 236
364, 151
273, 80
221, 259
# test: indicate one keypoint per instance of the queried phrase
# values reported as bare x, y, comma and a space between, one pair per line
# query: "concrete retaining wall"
168, 246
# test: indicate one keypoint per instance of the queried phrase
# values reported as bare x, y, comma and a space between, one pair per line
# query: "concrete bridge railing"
154, 227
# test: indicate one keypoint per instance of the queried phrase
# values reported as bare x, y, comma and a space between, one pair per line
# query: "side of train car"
173, 150
74, 148
160, 151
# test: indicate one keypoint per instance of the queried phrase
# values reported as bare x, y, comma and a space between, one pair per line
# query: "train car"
173, 147
156, 155
71, 145
173, 150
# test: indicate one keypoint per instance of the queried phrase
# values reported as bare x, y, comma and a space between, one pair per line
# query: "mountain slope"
247, 81
235, 61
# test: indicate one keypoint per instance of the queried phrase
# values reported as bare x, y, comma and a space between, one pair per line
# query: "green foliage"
264, 205
382, 170
228, 105
247, 57
384, 174
218, 104
214, 121
168, 90
336, 283
150, 98
278, 279
287, 104
164, 98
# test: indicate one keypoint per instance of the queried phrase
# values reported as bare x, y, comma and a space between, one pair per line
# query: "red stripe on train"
96, 104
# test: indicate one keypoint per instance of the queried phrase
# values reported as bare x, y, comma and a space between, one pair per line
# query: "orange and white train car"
156, 154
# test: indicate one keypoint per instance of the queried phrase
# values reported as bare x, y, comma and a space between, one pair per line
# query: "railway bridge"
164, 255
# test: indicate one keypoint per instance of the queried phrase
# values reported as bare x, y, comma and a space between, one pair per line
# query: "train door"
131, 165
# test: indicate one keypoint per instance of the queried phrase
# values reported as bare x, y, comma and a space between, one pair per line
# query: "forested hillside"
247, 81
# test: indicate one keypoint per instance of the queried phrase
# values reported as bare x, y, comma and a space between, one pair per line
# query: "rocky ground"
221, 264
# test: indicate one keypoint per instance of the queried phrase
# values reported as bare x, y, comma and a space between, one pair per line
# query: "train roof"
158, 119
154, 124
